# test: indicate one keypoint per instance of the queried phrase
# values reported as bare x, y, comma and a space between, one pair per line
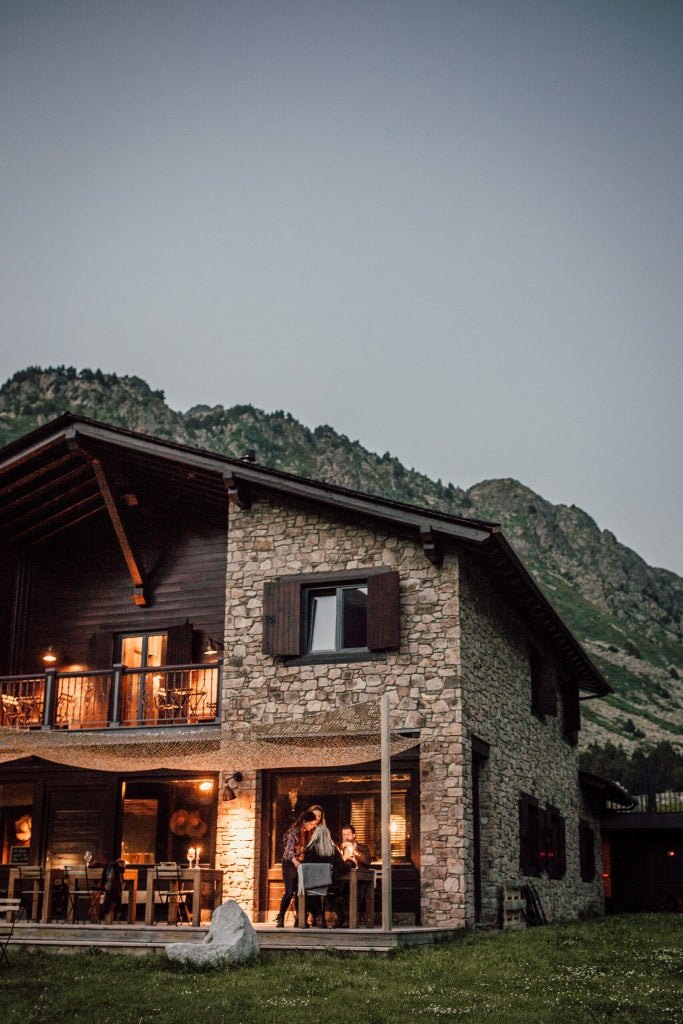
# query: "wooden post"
385, 813
115, 697
49, 698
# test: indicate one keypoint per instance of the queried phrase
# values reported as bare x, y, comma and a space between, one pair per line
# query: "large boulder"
231, 940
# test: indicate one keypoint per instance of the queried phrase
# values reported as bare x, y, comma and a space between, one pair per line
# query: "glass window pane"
323, 622
354, 617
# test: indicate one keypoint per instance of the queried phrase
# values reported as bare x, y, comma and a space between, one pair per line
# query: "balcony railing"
652, 802
116, 697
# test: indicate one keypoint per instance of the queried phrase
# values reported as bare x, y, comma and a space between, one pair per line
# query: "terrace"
119, 697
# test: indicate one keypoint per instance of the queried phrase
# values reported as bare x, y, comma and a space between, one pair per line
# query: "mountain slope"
626, 613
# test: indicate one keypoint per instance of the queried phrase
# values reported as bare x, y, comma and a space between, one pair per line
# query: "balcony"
119, 697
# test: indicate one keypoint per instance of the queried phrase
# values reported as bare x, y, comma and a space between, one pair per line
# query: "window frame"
285, 615
308, 595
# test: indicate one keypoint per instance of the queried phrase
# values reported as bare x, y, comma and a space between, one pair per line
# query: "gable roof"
51, 479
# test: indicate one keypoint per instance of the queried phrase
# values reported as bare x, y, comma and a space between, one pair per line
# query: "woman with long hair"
294, 841
321, 850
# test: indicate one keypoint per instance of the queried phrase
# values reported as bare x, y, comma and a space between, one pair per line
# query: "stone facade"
462, 669
528, 754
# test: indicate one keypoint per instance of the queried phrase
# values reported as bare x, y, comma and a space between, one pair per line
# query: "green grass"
625, 969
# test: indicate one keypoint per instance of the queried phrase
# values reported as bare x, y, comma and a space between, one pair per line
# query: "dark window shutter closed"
101, 650
384, 617
179, 645
587, 851
282, 618
543, 683
571, 712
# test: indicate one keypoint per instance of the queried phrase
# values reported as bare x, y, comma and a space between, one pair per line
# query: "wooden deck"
141, 939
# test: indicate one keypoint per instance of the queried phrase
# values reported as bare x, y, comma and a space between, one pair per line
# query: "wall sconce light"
228, 791
213, 646
50, 655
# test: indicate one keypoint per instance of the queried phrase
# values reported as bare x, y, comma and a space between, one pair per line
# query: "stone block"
231, 940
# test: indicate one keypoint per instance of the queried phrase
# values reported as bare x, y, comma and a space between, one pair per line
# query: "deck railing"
652, 802
109, 698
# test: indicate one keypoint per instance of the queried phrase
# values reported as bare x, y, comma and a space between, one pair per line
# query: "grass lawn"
621, 969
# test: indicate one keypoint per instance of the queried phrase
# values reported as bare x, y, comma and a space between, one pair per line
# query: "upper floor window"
343, 615
337, 619
543, 683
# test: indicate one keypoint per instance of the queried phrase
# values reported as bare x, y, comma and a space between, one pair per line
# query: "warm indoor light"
206, 786
50, 655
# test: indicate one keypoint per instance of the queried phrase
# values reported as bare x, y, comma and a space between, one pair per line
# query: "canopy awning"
348, 735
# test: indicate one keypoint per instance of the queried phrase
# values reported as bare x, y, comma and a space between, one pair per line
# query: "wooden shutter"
571, 711
556, 857
543, 683
179, 645
282, 618
586, 851
101, 650
384, 617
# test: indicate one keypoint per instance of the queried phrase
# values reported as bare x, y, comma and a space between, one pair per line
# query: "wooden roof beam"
133, 562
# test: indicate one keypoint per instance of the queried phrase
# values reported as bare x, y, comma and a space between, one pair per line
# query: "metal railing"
651, 802
120, 696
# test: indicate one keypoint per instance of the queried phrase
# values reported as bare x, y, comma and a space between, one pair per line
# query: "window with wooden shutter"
323, 615
586, 851
543, 682
530, 835
555, 858
571, 711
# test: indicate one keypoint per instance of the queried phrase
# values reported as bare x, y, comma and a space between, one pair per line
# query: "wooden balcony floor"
142, 939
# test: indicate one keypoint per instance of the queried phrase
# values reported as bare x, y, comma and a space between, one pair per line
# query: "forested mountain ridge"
627, 614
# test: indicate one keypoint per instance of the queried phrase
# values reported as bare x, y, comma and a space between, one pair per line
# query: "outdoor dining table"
84, 885
207, 881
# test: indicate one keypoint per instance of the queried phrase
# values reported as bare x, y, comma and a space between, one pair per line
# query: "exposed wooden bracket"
134, 563
238, 492
431, 546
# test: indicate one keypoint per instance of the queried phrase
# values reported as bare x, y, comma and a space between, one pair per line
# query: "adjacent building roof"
73, 468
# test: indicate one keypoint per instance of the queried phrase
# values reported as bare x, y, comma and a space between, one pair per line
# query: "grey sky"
452, 230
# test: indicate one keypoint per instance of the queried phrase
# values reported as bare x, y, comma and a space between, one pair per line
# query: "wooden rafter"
132, 561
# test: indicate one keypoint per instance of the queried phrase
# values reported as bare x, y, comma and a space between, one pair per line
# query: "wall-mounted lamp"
213, 646
50, 655
228, 791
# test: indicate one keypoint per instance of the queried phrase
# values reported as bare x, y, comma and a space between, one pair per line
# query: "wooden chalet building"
207, 616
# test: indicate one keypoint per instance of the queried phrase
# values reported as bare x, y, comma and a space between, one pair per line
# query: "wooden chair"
31, 889
172, 891
10, 909
85, 893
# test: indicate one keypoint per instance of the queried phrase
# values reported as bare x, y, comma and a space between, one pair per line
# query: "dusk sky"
451, 230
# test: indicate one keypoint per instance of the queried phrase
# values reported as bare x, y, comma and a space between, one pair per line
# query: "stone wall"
280, 537
462, 669
527, 754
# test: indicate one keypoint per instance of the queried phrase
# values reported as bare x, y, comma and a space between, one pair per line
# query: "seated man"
354, 855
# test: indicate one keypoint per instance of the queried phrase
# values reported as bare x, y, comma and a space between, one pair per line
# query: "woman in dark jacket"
294, 843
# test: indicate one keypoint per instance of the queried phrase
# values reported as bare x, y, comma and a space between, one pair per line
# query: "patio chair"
32, 890
314, 880
172, 891
10, 909
85, 894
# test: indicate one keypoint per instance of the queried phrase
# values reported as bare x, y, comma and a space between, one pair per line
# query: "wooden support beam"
132, 561
238, 492
431, 546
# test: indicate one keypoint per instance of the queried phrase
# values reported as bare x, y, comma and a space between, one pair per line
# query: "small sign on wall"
19, 854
